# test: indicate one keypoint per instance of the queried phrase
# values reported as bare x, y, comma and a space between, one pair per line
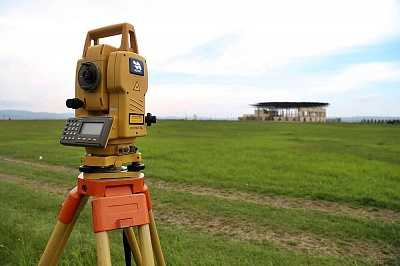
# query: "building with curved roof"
288, 111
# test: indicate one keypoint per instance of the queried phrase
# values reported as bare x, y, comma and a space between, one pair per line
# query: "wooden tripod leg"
61, 232
133, 243
69, 229
145, 245
155, 240
103, 249
49, 256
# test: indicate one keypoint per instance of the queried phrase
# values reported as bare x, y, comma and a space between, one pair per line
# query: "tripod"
120, 200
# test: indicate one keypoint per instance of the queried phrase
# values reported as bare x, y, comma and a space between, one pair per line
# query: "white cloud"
232, 101
274, 33
41, 41
354, 77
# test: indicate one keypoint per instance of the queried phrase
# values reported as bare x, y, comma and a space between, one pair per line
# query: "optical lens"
88, 76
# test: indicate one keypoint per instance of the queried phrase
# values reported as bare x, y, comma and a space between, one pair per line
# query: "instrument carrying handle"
128, 39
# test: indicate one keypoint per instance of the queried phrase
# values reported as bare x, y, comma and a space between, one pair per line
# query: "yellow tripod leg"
103, 249
133, 243
51, 254
68, 231
59, 237
155, 241
145, 245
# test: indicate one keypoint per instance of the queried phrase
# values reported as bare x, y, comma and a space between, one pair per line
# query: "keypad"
72, 136
71, 130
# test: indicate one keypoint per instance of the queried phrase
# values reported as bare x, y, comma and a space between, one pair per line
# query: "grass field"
225, 193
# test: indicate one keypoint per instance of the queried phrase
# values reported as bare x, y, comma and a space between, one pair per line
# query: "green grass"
261, 217
338, 162
355, 164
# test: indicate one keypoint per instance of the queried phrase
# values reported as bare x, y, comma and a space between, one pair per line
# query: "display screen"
91, 128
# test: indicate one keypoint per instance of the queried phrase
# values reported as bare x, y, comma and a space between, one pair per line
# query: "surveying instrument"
110, 88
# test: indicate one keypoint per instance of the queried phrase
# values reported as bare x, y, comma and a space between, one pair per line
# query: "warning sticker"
136, 119
136, 87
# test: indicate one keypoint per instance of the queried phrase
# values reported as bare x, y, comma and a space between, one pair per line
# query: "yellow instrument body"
120, 93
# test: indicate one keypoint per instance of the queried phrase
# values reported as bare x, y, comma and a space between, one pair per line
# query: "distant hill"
27, 115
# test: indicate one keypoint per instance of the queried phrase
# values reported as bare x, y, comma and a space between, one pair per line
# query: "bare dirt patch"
36, 185
282, 202
40, 165
378, 253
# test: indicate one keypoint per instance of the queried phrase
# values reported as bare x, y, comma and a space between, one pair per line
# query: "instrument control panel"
86, 131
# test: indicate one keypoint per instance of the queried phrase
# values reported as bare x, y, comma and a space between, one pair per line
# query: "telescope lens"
88, 76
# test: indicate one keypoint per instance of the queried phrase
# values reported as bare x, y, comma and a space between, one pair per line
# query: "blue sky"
213, 58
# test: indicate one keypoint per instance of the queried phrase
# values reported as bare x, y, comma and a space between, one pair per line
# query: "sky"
213, 58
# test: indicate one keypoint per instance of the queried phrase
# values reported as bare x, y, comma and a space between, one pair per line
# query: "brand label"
136, 67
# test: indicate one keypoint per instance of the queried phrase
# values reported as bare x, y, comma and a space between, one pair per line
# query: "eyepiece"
88, 76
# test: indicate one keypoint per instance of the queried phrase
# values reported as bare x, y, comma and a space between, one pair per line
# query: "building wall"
306, 114
314, 114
